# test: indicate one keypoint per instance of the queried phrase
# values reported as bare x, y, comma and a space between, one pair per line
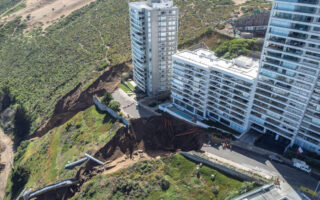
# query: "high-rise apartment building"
287, 97
214, 89
154, 33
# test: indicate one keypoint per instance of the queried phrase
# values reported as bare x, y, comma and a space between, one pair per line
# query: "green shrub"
215, 189
19, 178
107, 98
114, 105
102, 65
236, 47
220, 26
165, 184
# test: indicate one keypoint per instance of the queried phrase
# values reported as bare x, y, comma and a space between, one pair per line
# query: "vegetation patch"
237, 47
7, 4
43, 159
42, 65
169, 178
16, 8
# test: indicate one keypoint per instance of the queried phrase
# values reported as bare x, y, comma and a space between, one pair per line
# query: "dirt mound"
78, 100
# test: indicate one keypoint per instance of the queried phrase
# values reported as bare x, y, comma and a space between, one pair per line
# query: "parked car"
301, 165
275, 158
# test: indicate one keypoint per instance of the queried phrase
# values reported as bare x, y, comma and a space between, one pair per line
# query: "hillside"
39, 65
41, 161
172, 177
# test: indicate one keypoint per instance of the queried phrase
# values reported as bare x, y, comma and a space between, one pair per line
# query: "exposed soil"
6, 160
147, 138
80, 99
45, 12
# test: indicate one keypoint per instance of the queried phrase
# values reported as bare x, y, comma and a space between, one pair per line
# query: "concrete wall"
105, 108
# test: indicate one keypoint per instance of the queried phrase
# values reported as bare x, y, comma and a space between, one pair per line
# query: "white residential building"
154, 33
212, 88
287, 97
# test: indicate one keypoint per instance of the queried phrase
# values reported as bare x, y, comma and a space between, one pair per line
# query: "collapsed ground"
146, 149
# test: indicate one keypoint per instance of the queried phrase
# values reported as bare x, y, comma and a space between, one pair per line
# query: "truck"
301, 165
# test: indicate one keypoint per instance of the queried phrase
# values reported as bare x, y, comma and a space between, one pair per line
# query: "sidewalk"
284, 190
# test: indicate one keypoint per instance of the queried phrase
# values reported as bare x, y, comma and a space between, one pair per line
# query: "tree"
107, 98
22, 124
114, 105
6, 99
236, 47
19, 178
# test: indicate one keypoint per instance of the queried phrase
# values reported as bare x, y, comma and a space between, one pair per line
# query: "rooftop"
152, 4
242, 66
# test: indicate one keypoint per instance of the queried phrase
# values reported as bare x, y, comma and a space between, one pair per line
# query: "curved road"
7, 159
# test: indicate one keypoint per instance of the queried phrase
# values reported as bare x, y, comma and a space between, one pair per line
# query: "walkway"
129, 105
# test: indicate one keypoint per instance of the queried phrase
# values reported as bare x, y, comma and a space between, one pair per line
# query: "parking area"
129, 105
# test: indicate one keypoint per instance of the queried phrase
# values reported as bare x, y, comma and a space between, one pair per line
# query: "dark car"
275, 158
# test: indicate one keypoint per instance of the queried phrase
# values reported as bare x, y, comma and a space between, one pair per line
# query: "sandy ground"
7, 159
125, 162
238, 2
45, 12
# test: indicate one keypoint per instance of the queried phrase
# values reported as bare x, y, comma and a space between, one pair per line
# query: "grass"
150, 180
251, 6
7, 4
40, 66
46, 157
15, 9
130, 85
125, 89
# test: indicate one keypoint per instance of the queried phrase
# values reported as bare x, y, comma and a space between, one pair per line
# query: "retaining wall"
104, 108
221, 168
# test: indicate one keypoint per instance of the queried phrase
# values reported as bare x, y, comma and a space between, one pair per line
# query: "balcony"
277, 39
294, 51
290, 58
296, 43
301, 36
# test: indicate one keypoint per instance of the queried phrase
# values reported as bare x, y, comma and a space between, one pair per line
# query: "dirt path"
7, 159
45, 12
238, 2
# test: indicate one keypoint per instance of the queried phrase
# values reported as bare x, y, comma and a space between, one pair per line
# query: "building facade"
154, 33
214, 89
287, 96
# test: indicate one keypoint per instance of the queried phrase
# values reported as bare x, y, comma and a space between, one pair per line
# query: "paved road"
134, 111
295, 178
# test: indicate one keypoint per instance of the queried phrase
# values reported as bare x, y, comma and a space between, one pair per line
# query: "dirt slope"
45, 12
80, 99
147, 138
6, 158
